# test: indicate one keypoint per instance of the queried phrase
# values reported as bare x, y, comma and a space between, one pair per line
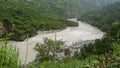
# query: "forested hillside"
21, 18
74, 8
103, 53
104, 18
19, 15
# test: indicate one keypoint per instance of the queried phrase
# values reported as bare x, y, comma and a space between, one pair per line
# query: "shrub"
48, 50
9, 57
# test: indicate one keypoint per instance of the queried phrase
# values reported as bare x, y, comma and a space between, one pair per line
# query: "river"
70, 35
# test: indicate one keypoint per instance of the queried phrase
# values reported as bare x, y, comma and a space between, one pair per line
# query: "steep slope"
21, 18
104, 18
74, 8
104, 53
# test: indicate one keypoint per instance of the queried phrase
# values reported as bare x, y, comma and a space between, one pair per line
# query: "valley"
70, 35
59, 34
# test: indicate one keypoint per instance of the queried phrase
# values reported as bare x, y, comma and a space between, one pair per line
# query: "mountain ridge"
74, 8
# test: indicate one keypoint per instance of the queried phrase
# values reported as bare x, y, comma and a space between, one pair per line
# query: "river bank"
70, 35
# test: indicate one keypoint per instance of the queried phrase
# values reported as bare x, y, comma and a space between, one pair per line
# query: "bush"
9, 57
47, 50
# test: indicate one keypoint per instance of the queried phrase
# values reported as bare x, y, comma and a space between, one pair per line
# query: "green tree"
47, 51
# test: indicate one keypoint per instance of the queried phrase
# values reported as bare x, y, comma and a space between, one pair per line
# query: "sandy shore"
71, 34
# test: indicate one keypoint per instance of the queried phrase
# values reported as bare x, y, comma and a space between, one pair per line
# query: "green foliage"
47, 50
71, 64
115, 32
73, 8
108, 20
9, 57
104, 45
103, 18
67, 52
108, 60
71, 23
116, 48
28, 17
21, 18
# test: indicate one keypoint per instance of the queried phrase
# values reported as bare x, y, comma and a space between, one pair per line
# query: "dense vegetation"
9, 57
104, 18
74, 8
47, 50
104, 53
89, 57
20, 18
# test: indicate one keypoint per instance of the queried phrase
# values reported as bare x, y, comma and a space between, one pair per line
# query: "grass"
9, 57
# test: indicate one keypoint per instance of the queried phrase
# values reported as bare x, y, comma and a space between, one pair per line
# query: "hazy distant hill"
103, 18
73, 8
